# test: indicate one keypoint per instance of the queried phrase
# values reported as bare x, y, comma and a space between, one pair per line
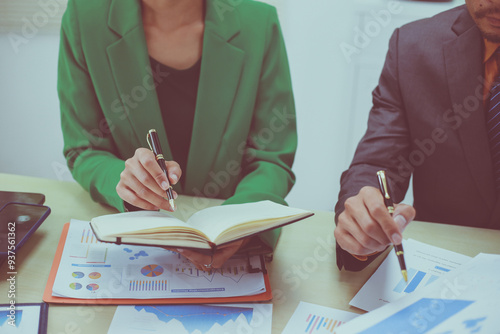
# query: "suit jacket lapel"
464, 69
136, 84
221, 68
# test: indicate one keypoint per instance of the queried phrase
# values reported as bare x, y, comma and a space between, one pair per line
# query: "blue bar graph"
402, 283
441, 268
419, 276
431, 279
399, 321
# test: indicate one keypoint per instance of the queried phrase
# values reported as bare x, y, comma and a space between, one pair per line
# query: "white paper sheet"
24, 320
464, 300
91, 269
317, 319
193, 319
424, 263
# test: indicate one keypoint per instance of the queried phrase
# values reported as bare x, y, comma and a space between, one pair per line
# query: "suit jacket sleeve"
270, 150
88, 148
385, 145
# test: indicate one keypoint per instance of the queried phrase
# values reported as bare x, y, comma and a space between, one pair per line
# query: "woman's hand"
207, 262
143, 183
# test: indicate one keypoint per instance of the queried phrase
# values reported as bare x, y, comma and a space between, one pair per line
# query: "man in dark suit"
430, 118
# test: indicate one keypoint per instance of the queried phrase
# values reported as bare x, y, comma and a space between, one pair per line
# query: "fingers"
136, 193
148, 172
174, 171
131, 197
199, 260
206, 262
366, 226
364, 210
143, 183
224, 253
403, 215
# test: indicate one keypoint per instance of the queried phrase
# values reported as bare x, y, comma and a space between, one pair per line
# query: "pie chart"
75, 286
94, 275
78, 274
152, 270
92, 287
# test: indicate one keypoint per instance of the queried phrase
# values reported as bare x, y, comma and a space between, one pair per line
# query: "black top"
177, 97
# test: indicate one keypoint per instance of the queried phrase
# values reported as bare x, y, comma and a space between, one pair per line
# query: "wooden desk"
303, 268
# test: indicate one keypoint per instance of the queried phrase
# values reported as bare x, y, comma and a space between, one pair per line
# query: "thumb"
403, 215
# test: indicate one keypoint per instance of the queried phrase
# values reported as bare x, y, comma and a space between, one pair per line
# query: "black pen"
386, 193
154, 144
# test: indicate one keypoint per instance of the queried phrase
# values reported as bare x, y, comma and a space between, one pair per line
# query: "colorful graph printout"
106, 270
310, 318
152, 270
78, 274
94, 275
425, 265
464, 300
75, 286
193, 319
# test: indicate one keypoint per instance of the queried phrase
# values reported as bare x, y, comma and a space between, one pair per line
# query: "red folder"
48, 298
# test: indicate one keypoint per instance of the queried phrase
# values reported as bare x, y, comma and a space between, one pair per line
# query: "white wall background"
332, 89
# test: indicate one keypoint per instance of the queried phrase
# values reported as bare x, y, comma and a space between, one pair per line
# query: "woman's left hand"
207, 262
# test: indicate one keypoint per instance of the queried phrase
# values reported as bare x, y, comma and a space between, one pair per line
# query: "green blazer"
244, 132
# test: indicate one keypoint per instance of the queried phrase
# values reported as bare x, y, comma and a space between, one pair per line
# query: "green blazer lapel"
221, 69
136, 84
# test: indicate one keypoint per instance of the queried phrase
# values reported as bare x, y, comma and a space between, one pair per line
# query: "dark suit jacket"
428, 119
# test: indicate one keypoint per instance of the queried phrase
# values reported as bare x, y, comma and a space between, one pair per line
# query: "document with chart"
424, 263
317, 319
90, 269
464, 300
193, 319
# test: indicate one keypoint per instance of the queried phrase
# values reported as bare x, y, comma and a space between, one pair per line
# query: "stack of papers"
90, 269
424, 263
461, 300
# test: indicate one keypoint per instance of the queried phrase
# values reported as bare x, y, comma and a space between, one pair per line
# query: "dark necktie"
493, 125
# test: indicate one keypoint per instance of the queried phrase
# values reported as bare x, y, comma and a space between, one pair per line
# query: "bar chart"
319, 324
417, 278
316, 319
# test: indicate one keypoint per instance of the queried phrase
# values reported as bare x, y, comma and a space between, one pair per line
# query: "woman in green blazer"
116, 56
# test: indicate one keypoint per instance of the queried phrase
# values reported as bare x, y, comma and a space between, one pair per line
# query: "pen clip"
383, 183
148, 139
384, 189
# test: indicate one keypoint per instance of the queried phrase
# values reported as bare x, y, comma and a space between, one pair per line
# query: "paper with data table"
90, 269
424, 263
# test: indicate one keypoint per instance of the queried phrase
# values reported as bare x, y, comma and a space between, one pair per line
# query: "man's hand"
207, 262
143, 183
365, 226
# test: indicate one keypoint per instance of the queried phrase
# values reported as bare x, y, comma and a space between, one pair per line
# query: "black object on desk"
20, 197
18, 221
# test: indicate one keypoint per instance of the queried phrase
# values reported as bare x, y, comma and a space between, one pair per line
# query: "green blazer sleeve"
244, 132
269, 155
88, 146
